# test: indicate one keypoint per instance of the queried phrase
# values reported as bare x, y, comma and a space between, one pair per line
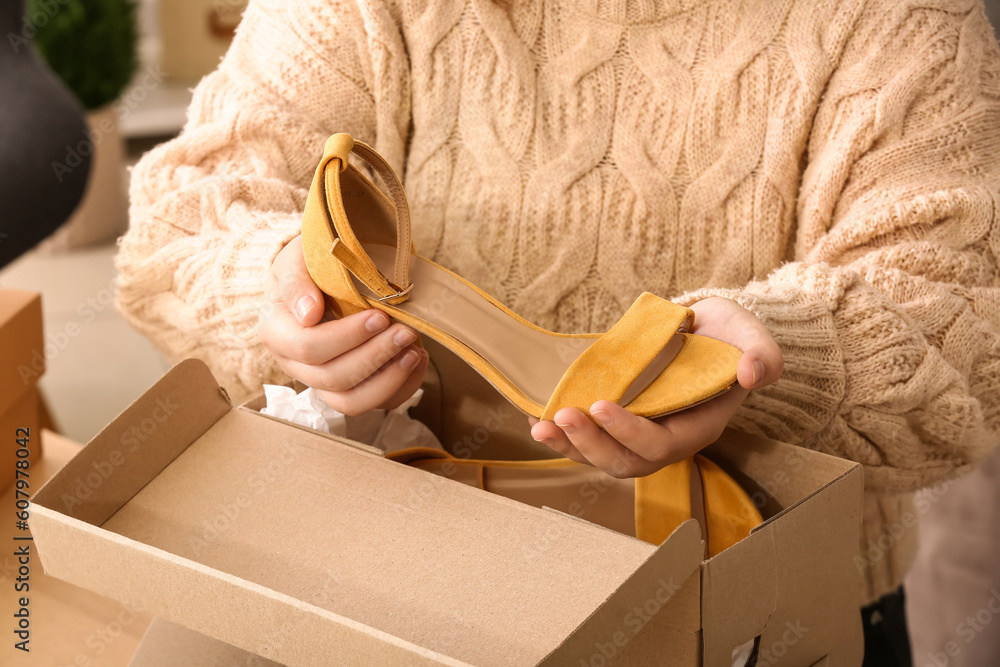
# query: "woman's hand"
631, 446
357, 363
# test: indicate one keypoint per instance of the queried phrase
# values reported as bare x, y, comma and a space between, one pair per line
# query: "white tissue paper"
305, 409
400, 431
389, 430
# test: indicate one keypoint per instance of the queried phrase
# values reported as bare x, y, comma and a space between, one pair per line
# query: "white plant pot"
102, 215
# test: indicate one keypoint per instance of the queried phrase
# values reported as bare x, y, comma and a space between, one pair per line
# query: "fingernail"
758, 371
303, 306
543, 440
376, 322
603, 417
568, 429
410, 359
404, 337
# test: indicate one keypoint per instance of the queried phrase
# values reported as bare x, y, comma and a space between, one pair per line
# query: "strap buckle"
397, 294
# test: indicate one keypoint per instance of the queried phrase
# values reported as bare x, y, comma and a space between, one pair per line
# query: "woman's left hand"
631, 446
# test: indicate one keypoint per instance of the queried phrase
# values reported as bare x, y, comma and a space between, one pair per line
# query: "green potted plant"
92, 46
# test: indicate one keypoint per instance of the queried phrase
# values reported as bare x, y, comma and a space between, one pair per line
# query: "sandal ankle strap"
346, 246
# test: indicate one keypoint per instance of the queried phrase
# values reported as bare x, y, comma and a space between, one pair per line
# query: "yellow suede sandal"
358, 251
649, 508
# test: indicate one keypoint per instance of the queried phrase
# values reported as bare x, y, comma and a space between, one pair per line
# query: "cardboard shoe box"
22, 362
309, 549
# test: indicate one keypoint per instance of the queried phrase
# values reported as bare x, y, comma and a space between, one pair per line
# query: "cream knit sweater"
831, 165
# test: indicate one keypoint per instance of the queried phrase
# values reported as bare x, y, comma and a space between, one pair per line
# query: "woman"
817, 180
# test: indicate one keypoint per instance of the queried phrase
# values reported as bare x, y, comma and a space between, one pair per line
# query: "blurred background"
131, 66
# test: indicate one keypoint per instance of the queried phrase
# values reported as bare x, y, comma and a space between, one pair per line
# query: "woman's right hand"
357, 363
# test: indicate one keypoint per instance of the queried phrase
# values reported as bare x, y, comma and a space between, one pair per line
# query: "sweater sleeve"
888, 316
211, 208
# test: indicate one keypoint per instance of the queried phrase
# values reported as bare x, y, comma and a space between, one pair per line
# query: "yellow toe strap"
625, 360
663, 502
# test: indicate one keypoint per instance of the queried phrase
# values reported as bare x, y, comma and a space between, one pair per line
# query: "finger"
550, 435
689, 431
353, 366
411, 384
599, 447
284, 336
295, 287
378, 388
645, 437
760, 365
761, 362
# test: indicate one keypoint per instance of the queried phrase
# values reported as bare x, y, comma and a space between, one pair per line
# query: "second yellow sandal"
649, 508
358, 250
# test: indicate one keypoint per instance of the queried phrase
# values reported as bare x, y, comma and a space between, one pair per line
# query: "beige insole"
532, 360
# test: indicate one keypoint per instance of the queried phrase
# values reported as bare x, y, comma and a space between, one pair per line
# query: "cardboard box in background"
309, 549
22, 362
195, 34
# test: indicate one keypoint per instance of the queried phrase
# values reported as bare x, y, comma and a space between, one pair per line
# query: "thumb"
761, 364
295, 287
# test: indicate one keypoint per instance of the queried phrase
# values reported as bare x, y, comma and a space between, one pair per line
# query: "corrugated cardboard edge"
138, 444
368, 449
779, 579
299, 633
666, 568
